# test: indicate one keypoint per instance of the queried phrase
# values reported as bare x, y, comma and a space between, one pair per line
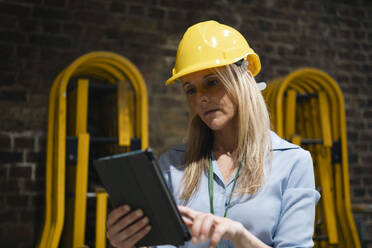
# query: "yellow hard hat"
211, 44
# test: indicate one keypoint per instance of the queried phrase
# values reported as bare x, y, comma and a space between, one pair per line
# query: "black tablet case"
135, 178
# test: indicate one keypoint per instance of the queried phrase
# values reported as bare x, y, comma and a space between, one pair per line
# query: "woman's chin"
215, 126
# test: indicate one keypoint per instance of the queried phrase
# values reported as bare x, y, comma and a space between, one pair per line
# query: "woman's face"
209, 99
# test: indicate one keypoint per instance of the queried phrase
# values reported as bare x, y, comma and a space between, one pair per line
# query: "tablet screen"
135, 178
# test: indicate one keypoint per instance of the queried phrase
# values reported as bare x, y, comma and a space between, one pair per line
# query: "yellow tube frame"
315, 80
101, 65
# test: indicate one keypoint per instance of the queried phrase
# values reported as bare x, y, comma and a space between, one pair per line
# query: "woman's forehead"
196, 76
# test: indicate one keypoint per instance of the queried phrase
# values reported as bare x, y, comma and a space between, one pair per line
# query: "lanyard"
210, 184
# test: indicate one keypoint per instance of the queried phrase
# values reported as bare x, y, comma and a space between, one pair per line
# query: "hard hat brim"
254, 67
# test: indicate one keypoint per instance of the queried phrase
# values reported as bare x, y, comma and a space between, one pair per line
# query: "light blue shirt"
281, 214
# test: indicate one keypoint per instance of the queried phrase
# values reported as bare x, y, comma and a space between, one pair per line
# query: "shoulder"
281, 144
287, 152
291, 161
174, 157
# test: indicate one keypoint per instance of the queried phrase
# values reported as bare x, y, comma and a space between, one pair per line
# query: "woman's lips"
210, 111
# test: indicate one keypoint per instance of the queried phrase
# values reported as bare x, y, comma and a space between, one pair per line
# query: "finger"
188, 212
131, 230
187, 221
219, 231
124, 222
116, 214
135, 238
197, 223
206, 228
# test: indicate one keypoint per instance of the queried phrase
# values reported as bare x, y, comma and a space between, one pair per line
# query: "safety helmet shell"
210, 44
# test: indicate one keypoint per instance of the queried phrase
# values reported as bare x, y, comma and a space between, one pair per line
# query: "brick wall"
41, 37
21, 186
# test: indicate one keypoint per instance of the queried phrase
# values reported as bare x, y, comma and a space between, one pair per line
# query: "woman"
237, 183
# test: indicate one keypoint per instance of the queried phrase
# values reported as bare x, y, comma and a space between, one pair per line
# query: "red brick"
13, 37
156, 13
20, 172
11, 157
359, 192
7, 79
37, 201
4, 142
136, 10
30, 25
72, 28
14, 9
283, 27
179, 14
51, 13
367, 180
9, 186
13, 95
8, 22
51, 27
117, 7
17, 201
40, 171
36, 157
98, 18
37, 186
33, 80
24, 143
8, 215
44, 40
31, 215
366, 159
55, 3
3, 172
19, 232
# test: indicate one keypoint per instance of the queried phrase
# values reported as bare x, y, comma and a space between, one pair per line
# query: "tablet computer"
135, 178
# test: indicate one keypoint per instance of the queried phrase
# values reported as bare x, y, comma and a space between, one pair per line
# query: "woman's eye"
212, 83
190, 91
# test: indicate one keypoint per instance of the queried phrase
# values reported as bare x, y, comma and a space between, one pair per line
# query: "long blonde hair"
253, 138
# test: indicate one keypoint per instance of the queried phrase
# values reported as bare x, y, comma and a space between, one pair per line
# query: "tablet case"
135, 178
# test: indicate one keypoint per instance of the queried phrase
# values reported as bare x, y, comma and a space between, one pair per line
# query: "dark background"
39, 38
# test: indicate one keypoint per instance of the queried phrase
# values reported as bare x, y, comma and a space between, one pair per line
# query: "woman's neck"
223, 147
225, 140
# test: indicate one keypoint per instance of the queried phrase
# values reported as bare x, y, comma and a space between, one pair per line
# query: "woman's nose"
202, 97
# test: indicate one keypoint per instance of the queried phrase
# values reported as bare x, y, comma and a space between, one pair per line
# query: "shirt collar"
281, 144
277, 144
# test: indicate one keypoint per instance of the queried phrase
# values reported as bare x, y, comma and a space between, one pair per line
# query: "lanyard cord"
210, 182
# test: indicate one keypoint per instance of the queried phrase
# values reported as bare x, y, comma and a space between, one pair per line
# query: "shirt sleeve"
164, 164
296, 224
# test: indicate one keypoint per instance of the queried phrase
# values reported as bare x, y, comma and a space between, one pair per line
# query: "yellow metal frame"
101, 213
321, 118
125, 113
112, 68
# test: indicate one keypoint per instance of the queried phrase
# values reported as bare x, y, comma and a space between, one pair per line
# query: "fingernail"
126, 208
148, 228
139, 212
202, 238
145, 220
194, 240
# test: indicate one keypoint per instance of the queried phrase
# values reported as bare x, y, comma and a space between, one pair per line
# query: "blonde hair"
253, 144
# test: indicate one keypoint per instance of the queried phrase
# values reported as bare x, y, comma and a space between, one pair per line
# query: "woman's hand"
126, 228
206, 225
